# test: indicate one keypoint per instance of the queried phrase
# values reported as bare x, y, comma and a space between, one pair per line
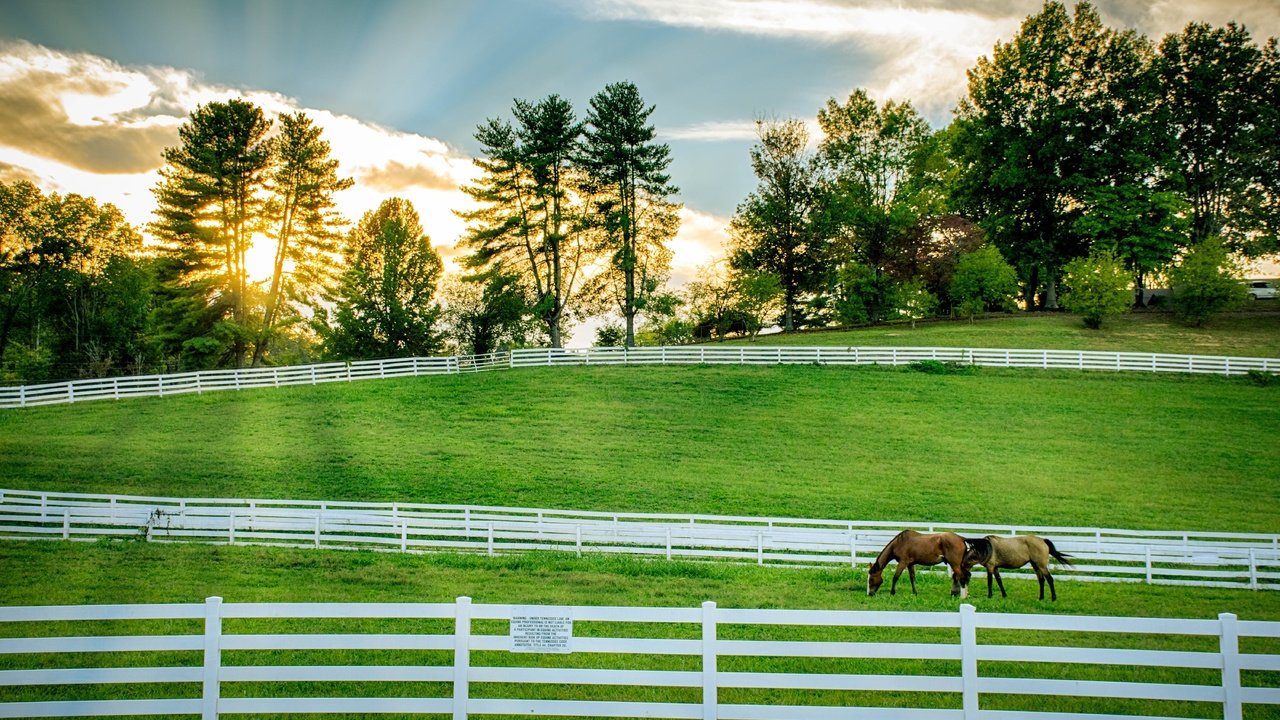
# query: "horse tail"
1059, 556
982, 549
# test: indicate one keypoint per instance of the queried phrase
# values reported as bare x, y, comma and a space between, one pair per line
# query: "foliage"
610, 335
75, 295
209, 205
879, 193
631, 195
1140, 227
1206, 283
1219, 90
915, 302
1097, 288
1065, 107
983, 281
776, 229
306, 229
532, 217
939, 367
485, 314
384, 302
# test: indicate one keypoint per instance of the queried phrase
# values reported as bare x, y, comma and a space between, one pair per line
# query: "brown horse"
997, 551
910, 548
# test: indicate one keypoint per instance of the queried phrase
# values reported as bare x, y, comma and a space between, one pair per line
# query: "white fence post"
1229, 646
969, 661
71, 393
1148, 564
231, 529
577, 538
317, 533
22, 396
66, 524
461, 657
1253, 571
490, 541
710, 701
212, 657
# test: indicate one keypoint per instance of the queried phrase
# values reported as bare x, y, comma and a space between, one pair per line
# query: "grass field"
994, 446
989, 446
1254, 333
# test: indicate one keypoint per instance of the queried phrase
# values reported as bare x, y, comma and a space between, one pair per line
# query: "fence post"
317, 533
212, 657
22, 396
759, 548
404, 536
461, 657
1148, 563
1229, 646
709, 699
231, 529
969, 661
71, 393
577, 538
199, 390
668, 543
66, 525
1253, 571
490, 543
853, 550
160, 384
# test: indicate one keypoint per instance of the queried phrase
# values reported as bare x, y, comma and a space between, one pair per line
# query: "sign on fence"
541, 633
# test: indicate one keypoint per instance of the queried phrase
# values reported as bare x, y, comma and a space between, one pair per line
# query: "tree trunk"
1051, 293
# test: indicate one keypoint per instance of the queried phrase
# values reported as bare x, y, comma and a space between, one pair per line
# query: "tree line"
1083, 162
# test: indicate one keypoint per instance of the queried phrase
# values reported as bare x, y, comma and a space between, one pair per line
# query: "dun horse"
996, 551
910, 548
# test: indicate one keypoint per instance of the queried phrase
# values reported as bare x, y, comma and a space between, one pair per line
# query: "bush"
983, 280
610, 335
1206, 283
1097, 288
939, 367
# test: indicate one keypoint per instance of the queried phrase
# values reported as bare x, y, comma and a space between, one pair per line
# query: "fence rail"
117, 388
700, 662
1214, 559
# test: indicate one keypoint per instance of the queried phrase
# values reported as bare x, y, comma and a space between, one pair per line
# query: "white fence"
707, 662
217, 380
1217, 559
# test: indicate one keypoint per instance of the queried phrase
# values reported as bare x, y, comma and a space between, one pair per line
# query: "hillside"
992, 446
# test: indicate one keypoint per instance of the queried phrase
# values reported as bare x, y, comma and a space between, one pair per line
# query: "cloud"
712, 131
702, 239
74, 122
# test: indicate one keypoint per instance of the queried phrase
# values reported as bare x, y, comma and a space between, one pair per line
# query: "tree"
983, 280
632, 190
875, 157
1205, 283
383, 307
304, 225
74, 295
1219, 91
776, 228
1067, 106
530, 220
209, 204
1142, 228
486, 313
1097, 287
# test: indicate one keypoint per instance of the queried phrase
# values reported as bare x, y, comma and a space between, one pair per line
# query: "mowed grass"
130, 572
1251, 333
994, 446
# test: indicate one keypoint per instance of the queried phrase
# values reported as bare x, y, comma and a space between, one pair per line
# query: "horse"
998, 551
910, 548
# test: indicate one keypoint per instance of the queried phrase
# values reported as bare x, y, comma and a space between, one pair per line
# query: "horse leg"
911, 571
893, 589
1040, 577
999, 581
1053, 594
990, 572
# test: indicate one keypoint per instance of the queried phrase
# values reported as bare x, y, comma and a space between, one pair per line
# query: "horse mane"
883, 558
982, 548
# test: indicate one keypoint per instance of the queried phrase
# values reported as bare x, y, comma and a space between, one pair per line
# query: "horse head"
875, 578
977, 551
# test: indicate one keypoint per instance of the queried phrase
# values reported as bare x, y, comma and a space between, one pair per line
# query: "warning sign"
541, 633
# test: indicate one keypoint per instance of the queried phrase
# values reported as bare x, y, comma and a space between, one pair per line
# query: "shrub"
1097, 288
1206, 283
983, 280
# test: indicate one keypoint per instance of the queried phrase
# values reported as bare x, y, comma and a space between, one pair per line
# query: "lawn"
1253, 333
993, 446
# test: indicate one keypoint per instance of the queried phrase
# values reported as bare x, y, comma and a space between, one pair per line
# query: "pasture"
989, 446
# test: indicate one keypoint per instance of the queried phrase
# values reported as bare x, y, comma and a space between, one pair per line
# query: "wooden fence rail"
117, 388
1214, 559
460, 659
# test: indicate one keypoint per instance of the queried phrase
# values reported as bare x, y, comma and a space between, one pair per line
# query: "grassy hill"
994, 446
1254, 333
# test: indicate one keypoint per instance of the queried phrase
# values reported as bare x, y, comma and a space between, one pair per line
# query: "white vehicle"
1261, 289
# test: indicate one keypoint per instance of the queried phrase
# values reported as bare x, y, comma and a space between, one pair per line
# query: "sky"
91, 91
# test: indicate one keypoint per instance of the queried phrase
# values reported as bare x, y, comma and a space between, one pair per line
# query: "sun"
260, 258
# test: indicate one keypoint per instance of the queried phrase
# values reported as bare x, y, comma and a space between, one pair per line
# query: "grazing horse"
997, 551
910, 548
